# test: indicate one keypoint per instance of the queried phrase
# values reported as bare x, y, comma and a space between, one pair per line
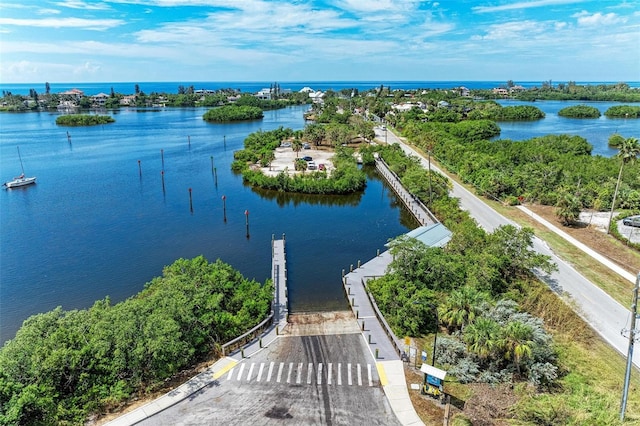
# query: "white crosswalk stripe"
299, 374
315, 374
262, 368
270, 371
240, 372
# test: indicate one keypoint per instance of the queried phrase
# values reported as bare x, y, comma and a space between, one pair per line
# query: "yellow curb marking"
382, 374
218, 374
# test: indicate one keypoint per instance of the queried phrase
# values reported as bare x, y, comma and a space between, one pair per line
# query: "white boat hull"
20, 182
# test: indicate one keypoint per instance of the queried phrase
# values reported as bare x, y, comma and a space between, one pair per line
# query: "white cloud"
76, 4
598, 19
87, 24
47, 12
513, 30
522, 5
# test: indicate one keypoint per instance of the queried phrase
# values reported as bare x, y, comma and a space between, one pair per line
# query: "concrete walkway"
597, 256
384, 346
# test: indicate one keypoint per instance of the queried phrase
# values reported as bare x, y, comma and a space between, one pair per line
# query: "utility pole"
632, 338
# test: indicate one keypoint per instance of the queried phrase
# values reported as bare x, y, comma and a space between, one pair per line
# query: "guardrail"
392, 337
405, 195
247, 337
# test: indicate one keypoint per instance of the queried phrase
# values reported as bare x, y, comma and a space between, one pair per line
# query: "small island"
233, 113
76, 120
579, 111
623, 111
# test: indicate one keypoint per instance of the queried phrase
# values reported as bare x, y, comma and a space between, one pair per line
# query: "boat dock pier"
279, 277
422, 214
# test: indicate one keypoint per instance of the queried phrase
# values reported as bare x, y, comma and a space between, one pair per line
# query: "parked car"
307, 158
306, 146
311, 165
632, 221
321, 166
286, 144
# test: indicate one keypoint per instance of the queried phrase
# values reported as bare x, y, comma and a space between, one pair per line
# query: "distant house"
317, 97
463, 91
264, 94
99, 100
501, 91
443, 104
128, 100
75, 94
306, 90
517, 89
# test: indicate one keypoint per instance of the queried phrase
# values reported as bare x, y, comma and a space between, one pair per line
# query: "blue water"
92, 226
254, 86
597, 130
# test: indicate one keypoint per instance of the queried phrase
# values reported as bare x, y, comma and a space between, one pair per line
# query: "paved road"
301, 380
604, 314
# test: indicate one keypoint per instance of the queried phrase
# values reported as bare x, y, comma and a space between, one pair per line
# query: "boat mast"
20, 157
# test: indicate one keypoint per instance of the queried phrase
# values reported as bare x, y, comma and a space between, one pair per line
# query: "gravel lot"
286, 156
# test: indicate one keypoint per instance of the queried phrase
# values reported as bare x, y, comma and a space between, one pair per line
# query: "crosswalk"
298, 373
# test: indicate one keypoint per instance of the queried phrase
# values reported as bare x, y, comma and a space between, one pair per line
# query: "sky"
319, 40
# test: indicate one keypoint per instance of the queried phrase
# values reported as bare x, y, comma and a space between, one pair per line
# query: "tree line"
64, 365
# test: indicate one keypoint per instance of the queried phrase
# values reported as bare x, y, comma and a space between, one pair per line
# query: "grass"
589, 390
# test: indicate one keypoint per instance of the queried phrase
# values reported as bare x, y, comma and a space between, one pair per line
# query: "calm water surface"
94, 227
595, 130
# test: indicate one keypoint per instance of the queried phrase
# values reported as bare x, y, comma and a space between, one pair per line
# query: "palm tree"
629, 150
482, 336
462, 307
296, 145
517, 342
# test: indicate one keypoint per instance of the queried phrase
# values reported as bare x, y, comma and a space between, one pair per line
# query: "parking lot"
285, 158
297, 380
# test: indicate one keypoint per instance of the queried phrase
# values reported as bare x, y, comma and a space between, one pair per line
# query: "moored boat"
20, 180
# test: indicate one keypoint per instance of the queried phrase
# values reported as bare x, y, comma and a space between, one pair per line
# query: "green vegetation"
233, 113
259, 148
516, 113
64, 365
623, 111
497, 322
570, 91
538, 170
83, 120
579, 111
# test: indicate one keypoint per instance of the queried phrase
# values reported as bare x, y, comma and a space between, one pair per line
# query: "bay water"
98, 223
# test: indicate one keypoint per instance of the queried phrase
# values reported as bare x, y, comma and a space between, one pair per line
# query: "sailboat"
20, 180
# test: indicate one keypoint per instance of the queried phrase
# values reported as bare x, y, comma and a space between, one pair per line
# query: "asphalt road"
604, 314
297, 380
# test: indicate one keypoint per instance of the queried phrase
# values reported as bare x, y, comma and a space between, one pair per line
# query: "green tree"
462, 307
482, 337
516, 341
296, 145
568, 209
629, 150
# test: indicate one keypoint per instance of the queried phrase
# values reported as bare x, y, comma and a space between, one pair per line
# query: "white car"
311, 165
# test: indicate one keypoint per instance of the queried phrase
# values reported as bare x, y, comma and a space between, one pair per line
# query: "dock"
279, 278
